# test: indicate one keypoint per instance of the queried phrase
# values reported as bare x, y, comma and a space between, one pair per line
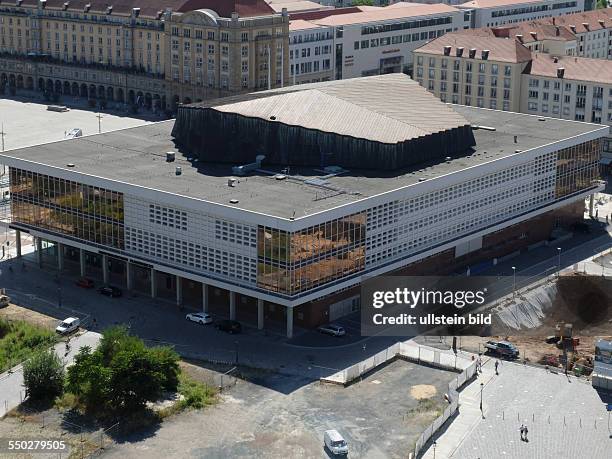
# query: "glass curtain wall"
577, 167
291, 263
70, 208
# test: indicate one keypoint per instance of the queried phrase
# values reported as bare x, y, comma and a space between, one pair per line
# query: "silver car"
199, 317
332, 329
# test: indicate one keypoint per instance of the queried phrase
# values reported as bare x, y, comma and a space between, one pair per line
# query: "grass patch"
194, 393
19, 340
428, 406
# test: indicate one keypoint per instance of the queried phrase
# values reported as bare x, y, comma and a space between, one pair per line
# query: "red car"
85, 282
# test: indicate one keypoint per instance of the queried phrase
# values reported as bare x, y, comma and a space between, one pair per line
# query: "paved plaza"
28, 123
565, 416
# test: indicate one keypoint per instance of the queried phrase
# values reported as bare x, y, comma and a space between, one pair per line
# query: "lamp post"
559, 261
236, 343
481, 389
513, 281
434, 449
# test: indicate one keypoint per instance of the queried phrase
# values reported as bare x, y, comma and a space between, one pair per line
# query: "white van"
335, 443
68, 326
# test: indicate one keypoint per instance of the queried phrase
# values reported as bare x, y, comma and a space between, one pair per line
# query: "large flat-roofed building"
364, 40
490, 13
293, 244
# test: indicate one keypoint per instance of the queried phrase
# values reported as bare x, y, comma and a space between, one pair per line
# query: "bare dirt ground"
13, 313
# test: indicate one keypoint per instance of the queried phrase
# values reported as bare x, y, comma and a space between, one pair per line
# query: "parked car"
199, 317
332, 329
68, 325
4, 300
335, 443
85, 282
74, 133
111, 291
229, 326
502, 348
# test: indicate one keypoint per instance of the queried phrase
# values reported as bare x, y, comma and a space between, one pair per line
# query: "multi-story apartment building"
593, 32
294, 246
571, 88
560, 86
362, 41
155, 52
473, 69
491, 13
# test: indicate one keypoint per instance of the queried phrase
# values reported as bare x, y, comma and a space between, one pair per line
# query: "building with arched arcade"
154, 54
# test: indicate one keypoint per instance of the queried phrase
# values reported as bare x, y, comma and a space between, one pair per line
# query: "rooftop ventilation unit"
485, 54
109, 9
585, 25
560, 72
87, 7
43, 4
170, 156
519, 37
244, 169
573, 28
459, 51
447, 50
178, 170
602, 22
135, 12
64, 7
472, 53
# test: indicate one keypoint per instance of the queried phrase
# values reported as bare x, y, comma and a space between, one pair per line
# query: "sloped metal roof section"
387, 108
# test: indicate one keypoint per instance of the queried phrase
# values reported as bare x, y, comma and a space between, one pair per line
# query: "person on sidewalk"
496, 365
526, 432
522, 430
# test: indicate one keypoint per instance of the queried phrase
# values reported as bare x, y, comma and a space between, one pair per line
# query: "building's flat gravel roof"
138, 156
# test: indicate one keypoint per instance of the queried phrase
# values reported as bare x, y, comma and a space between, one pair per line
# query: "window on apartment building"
557, 85
468, 100
481, 67
432, 61
175, 31
356, 45
532, 106
494, 81
546, 84
443, 75
568, 86
443, 86
493, 104
566, 99
444, 63
480, 91
468, 89
419, 72
364, 44
506, 105
506, 94
244, 36
533, 94
455, 88
432, 73
534, 83
211, 35
545, 108
455, 99
430, 85
507, 70
494, 69
420, 60
456, 64
493, 92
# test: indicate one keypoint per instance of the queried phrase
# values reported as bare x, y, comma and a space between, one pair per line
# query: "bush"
43, 376
122, 374
195, 394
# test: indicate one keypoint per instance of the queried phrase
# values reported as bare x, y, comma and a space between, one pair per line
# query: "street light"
236, 343
481, 389
513, 281
434, 449
559, 262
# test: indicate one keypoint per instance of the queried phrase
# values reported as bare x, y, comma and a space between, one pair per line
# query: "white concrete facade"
496, 13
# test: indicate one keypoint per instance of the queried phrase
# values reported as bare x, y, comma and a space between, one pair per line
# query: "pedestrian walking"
479, 364
496, 365
526, 430
522, 430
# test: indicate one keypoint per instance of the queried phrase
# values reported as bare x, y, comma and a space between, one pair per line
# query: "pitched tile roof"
575, 68
500, 49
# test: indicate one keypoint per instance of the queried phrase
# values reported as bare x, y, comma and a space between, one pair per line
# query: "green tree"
601, 4
122, 374
43, 376
363, 2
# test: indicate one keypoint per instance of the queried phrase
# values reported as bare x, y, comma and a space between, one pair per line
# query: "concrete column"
105, 268
260, 314
39, 251
153, 284
129, 274
82, 261
60, 256
591, 205
232, 305
179, 291
204, 297
289, 322
18, 243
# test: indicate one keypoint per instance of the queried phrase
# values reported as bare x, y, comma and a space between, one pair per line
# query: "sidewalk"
11, 384
466, 420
